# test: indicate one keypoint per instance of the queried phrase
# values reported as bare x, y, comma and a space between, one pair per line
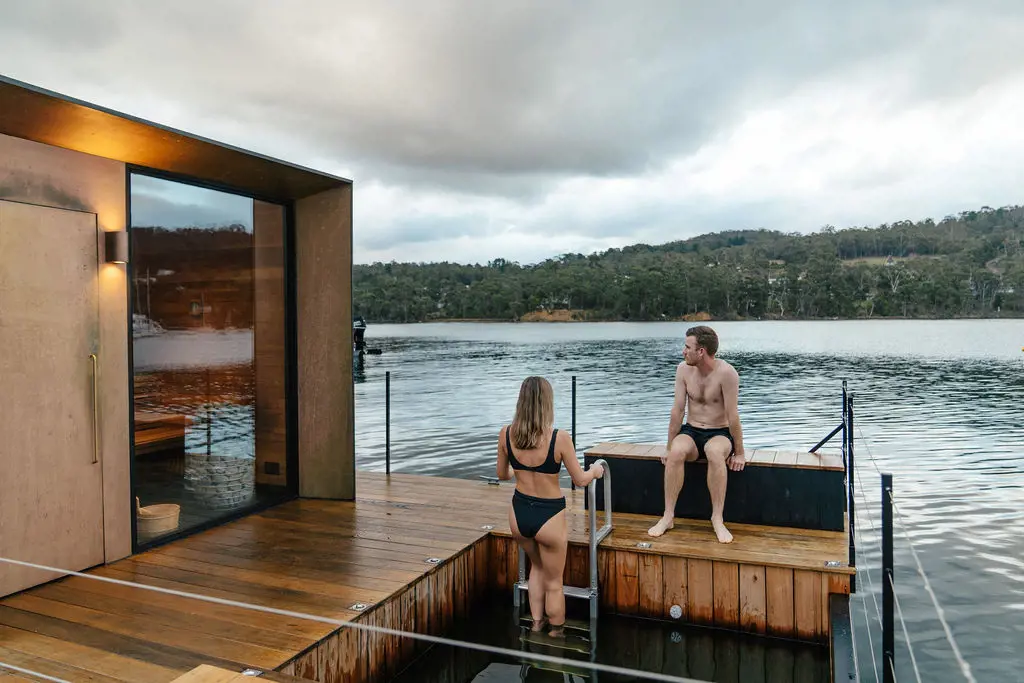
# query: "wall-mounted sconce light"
115, 247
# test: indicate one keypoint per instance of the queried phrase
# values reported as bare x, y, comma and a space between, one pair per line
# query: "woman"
535, 450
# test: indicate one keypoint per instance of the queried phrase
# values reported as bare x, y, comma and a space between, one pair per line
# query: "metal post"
387, 422
846, 429
574, 411
573, 484
851, 477
888, 633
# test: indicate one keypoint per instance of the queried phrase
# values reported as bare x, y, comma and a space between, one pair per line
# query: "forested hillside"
966, 265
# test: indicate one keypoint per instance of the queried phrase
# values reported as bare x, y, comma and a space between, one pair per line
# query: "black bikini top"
549, 466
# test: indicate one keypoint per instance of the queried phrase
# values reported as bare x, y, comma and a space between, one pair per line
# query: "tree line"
966, 265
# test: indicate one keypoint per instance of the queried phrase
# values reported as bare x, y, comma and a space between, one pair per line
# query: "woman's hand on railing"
596, 471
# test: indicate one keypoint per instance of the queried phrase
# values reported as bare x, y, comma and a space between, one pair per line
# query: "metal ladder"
570, 673
596, 536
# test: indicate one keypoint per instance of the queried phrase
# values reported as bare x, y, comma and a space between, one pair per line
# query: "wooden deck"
322, 557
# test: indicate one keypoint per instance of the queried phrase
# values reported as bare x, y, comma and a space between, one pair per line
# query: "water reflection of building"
208, 399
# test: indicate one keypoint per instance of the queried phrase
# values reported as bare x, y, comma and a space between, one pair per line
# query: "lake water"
634, 644
939, 404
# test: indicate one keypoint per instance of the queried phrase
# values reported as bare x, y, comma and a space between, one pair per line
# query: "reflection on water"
938, 404
638, 644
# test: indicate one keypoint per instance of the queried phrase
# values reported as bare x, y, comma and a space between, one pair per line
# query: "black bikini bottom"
532, 513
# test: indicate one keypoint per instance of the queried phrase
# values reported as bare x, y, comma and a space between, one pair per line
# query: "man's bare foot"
663, 525
539, 624
723, 534
557, 631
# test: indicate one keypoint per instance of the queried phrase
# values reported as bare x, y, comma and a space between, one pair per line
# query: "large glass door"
208, 356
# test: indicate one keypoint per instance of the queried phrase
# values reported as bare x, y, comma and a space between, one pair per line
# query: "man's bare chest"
704, 389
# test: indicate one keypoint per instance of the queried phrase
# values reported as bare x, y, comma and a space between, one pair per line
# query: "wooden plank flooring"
321, 557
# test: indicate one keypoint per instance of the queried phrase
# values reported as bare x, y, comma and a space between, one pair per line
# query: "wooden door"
51, 487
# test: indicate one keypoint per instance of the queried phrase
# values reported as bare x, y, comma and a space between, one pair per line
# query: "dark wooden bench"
777, 487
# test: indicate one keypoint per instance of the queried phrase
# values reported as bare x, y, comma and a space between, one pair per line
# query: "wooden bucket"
155, 519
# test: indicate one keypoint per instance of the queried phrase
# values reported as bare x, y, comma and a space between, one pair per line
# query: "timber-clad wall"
430, 606
768, 600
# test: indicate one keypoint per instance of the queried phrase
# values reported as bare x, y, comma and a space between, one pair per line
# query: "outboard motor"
358, 330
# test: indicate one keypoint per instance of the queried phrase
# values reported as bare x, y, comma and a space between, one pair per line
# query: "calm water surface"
940, 404
703, 654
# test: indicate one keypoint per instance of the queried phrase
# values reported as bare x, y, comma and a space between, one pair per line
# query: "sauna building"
175, 321
177, 414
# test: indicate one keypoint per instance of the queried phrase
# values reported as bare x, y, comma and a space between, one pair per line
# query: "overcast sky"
522, 130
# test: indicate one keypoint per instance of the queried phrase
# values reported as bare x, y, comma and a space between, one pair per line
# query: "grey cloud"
451, 99
418, 230
501, 98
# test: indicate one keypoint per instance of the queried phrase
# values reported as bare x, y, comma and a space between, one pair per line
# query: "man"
706, 394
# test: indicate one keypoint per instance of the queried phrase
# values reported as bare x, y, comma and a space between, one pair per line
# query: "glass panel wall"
208, 355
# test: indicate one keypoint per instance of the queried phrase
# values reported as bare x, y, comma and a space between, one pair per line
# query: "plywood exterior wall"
34, 173
323, 245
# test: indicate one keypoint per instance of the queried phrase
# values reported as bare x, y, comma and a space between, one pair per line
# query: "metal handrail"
597, 535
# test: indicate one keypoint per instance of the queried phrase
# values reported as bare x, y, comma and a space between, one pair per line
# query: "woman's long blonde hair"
535, 412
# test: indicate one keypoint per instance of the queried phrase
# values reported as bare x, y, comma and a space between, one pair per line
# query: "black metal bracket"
828, 438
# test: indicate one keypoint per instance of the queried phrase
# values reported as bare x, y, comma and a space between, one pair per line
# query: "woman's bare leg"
536, 576
552, 542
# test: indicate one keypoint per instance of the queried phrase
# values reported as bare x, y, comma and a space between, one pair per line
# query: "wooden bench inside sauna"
156, 432
785, 488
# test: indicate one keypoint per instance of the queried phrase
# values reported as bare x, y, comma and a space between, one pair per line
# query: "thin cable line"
28, 672
865, 567
906, 635
871, 643
871, 586
436, 640
965, 668
892, 668
871, 456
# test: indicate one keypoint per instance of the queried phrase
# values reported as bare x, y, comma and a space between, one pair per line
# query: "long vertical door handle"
95, 409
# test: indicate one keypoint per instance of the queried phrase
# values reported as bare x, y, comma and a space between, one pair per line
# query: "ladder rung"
570, 624
568, 591
566, 642
577, 671
577, 592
